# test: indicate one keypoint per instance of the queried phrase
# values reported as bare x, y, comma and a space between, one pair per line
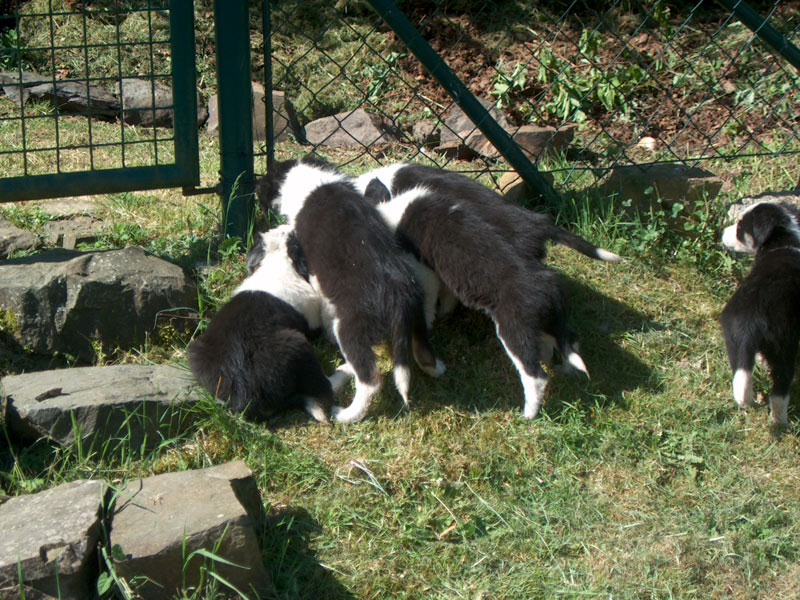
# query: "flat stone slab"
71, 231
52, 537
159, 521
135, 404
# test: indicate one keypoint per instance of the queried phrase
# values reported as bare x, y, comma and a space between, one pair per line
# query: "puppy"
256, 357
355, 264
762, 315
484, 270
530, 230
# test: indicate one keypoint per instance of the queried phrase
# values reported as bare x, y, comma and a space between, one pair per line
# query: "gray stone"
514, 188
15, 84
13, 238
141, 404
457, 126
356, 128
52, 537
71, 231
284, 120
149, 103
533, 139
159, 521
78, 98
650, 186
284, 124
426, 133
62, 301
790, 198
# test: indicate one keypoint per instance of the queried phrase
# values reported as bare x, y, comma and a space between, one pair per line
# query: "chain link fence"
582, 87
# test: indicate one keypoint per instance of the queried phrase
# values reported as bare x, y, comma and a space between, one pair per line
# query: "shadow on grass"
481, 377
294, 570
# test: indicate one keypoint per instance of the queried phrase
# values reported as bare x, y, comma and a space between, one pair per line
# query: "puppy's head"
268, 188
758, 224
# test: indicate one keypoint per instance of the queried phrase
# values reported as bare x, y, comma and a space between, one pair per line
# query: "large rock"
159, 521
52, 537
149, 103
78, 98
535, 140
457, 125
62, 301
356, 128
138, 404
661, 185
13, 238
284, 119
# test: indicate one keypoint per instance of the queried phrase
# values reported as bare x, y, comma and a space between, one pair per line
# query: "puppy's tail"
569, 354
566, 238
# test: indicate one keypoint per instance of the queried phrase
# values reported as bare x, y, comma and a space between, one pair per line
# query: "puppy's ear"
254, 256
376, 192
297, 256
763, 223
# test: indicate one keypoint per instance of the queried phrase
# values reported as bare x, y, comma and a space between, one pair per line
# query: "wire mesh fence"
71, 73
598, 84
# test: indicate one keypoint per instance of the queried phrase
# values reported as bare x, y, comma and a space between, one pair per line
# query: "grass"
644, 482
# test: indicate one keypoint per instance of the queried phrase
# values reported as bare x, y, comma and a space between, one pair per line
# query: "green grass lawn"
644, 482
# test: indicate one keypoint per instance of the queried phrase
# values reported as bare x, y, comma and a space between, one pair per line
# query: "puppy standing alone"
354, 262
763, 315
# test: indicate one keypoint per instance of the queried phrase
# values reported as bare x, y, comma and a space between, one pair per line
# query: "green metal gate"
59, 152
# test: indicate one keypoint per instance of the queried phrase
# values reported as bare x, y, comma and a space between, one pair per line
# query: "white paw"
344, 415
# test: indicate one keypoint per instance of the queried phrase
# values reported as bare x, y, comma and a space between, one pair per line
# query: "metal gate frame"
184, 172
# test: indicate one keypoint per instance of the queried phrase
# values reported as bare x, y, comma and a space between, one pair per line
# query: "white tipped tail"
607, 256
574, 359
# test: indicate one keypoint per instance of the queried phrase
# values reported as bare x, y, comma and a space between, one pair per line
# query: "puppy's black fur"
361, 273
256, 357
762, 316
484, 270
529, 229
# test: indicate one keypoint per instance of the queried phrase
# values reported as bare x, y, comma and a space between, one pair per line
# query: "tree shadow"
294, 570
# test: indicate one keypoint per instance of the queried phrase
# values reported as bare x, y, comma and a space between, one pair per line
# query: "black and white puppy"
256, 357
762, 316
530, 230
484, 270
354, 262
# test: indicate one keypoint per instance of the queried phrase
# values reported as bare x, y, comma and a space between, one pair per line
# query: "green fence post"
234, 106
464, 98
768, 34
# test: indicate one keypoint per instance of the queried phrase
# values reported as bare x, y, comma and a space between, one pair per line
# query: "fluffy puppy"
484, 270
256, 357
529, 229
355, 264
762, 315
